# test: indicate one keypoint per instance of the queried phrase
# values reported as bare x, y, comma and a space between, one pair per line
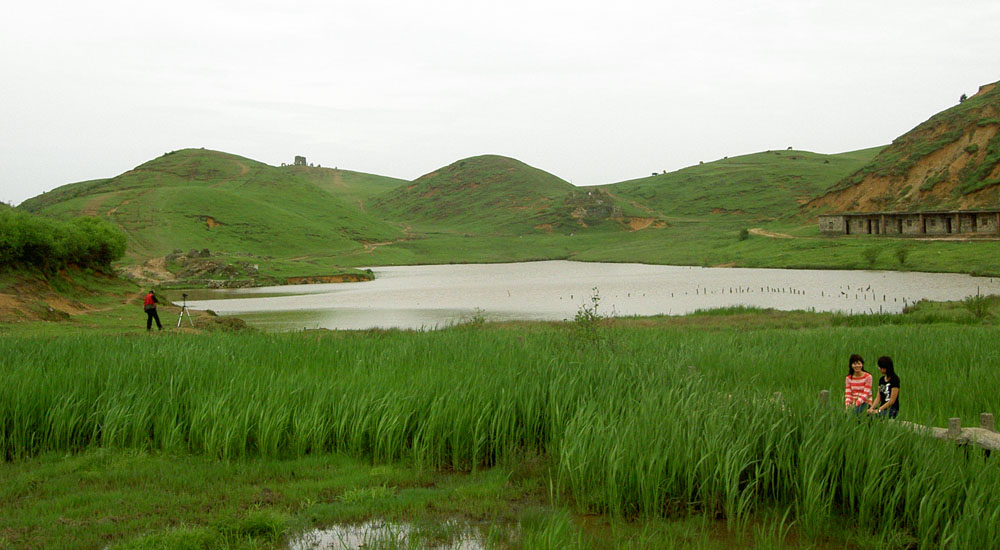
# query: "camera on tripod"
184, 311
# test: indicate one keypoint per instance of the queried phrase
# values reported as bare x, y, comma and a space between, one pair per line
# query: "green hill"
952, 160
306, 221
196, 198
485, 194
764, 185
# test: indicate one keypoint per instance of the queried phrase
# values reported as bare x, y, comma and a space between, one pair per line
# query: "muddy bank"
321, 279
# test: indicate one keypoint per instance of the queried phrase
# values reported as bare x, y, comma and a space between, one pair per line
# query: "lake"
432, 296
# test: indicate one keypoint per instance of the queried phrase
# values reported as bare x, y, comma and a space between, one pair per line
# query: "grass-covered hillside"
760, 186
950, 161
196, 198
262, 223
485, 194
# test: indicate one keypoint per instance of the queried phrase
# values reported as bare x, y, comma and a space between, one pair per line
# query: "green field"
618, 421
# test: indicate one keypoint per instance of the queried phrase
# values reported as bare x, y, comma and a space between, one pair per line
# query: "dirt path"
115, 209
153, 270
638, 224
772, 234
93, 206
370, 247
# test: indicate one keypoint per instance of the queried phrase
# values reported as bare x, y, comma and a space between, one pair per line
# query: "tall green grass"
630, 427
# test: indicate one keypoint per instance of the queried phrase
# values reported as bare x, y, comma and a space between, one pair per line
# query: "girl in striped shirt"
857, 386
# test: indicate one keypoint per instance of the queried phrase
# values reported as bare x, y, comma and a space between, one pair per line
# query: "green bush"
871, 255
978, 305
49, 244
902, 253
588, 320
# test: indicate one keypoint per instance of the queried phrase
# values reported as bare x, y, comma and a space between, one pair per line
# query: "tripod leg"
179, 317
189, 317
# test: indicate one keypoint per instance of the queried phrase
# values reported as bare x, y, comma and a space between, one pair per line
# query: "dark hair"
885, 362
854, 359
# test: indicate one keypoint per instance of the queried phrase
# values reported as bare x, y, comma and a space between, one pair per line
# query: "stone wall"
831, 224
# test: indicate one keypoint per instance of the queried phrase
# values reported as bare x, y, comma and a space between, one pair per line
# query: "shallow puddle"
378, 534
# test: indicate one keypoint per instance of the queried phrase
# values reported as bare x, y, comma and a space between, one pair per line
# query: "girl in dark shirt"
887, 398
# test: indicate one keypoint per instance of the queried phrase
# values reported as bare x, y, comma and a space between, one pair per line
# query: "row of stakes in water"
779, 290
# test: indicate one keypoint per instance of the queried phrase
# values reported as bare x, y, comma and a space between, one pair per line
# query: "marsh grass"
630, 431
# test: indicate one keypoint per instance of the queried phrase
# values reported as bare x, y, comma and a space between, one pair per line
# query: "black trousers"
150, 315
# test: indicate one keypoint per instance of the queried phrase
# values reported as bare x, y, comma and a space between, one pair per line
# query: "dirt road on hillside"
772, 234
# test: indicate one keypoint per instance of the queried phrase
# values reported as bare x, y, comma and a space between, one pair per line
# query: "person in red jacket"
150, 306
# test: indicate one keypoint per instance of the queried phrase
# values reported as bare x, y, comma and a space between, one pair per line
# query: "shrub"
978, 305
588, 320
744, 234
49, 244
871, 255
902, 253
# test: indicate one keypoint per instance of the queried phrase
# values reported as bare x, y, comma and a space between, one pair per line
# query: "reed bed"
630, 426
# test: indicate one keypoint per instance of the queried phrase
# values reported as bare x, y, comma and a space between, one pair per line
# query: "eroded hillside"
950, 161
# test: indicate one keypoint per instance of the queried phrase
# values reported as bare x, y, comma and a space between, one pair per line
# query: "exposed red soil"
320, 279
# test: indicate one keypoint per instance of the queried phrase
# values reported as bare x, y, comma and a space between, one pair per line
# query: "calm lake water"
432, 296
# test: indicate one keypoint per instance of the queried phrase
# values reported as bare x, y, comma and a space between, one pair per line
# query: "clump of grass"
587, 322
902, 253
978, 305
870, 255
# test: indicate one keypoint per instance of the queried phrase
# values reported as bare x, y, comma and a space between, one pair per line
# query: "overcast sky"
593, 92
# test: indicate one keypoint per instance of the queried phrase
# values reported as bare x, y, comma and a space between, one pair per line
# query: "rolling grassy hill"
487, 194
757, 186
197, 198
304, 221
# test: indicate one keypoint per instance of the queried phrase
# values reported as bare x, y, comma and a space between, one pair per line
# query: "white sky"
594, 92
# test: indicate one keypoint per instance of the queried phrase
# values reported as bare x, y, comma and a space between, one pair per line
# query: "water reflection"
433, 296
382, 534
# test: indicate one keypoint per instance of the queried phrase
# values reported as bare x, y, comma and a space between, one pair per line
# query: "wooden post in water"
986, 422
954, 427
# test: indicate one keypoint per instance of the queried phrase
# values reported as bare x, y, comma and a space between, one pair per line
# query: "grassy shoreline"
615, 415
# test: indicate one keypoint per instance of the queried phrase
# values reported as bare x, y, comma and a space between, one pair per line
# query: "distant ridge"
951, 161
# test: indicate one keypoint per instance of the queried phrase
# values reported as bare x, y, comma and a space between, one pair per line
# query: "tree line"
28, 240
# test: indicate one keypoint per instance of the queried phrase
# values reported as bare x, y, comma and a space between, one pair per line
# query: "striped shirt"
858, 391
